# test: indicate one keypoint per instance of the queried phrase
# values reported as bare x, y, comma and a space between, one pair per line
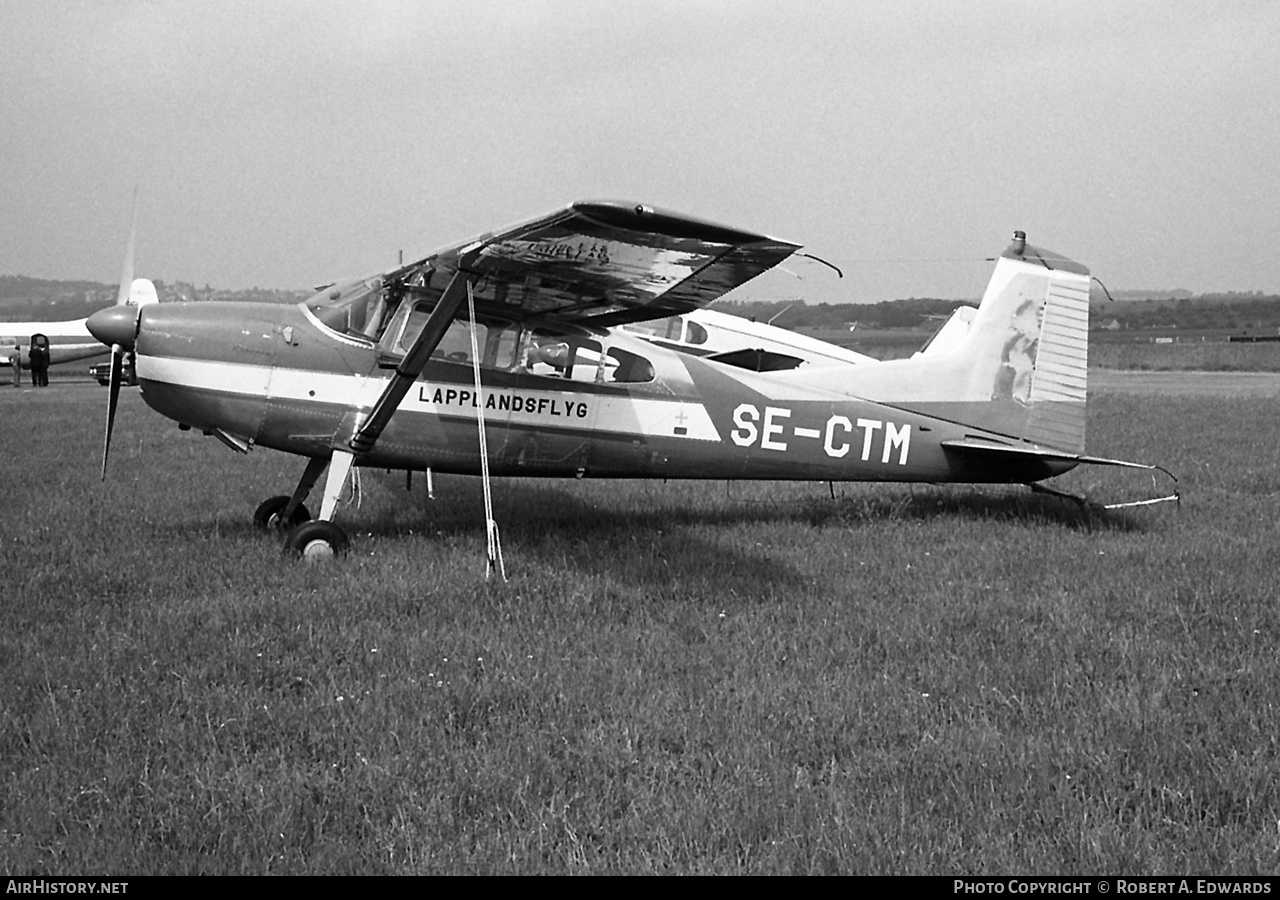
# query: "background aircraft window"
652, 328
669, 329
697, 334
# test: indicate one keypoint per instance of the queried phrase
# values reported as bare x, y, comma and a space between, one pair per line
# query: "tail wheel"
316, 541
267, 515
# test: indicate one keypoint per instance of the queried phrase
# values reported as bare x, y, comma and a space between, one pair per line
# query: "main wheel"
316, 541
267, 515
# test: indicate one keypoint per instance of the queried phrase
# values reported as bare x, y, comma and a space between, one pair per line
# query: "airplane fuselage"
278, 377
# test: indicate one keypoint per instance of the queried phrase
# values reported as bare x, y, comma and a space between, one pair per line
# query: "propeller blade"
126, 276
113, 398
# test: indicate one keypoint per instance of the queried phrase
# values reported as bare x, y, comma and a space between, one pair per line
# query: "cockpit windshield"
355, 308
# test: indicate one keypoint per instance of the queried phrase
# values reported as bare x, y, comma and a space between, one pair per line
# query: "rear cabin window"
628, 367
583, 359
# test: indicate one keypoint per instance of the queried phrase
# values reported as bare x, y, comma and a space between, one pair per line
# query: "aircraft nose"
116, 325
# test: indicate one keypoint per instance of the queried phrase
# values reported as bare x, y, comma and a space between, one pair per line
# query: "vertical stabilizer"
1020, 368
1059, 381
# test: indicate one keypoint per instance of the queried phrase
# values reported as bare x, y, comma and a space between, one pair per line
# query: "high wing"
592, 265
598, 264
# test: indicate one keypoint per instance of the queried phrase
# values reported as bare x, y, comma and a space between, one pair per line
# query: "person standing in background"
38, 356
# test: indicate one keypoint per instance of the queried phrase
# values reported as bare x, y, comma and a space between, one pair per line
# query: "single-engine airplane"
502, 355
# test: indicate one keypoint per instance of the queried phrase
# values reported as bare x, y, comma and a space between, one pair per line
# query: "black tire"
267, 515
316, 542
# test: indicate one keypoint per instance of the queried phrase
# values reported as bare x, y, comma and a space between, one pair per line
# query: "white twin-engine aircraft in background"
71, 340
509, 354
742, 342
763, 347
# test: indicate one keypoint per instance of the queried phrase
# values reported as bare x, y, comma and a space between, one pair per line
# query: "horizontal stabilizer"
992, 451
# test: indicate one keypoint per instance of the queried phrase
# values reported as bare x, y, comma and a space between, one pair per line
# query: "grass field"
683, 677
1207, 356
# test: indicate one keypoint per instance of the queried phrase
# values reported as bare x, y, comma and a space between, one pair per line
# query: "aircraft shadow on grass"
549, 515
540, 521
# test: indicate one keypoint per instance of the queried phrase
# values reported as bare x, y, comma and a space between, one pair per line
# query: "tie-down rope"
490, 524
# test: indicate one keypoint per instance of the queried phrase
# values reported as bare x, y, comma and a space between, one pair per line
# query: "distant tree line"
22, 297
1235, 312
1229, 312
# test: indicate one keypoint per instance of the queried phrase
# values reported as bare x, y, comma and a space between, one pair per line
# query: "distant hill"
23, 298
1226, 313
1176, 294
1223, 312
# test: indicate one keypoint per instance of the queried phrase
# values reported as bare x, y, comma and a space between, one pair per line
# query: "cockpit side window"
497, 341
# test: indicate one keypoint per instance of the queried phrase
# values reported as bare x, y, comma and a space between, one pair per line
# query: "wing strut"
415, 359
408, 370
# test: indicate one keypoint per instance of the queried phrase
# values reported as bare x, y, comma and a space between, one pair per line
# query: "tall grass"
683, 677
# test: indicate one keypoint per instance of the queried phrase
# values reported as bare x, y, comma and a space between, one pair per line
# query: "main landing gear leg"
321, 539
282, 513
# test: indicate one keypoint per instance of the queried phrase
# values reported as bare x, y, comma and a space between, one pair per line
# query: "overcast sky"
285, 144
